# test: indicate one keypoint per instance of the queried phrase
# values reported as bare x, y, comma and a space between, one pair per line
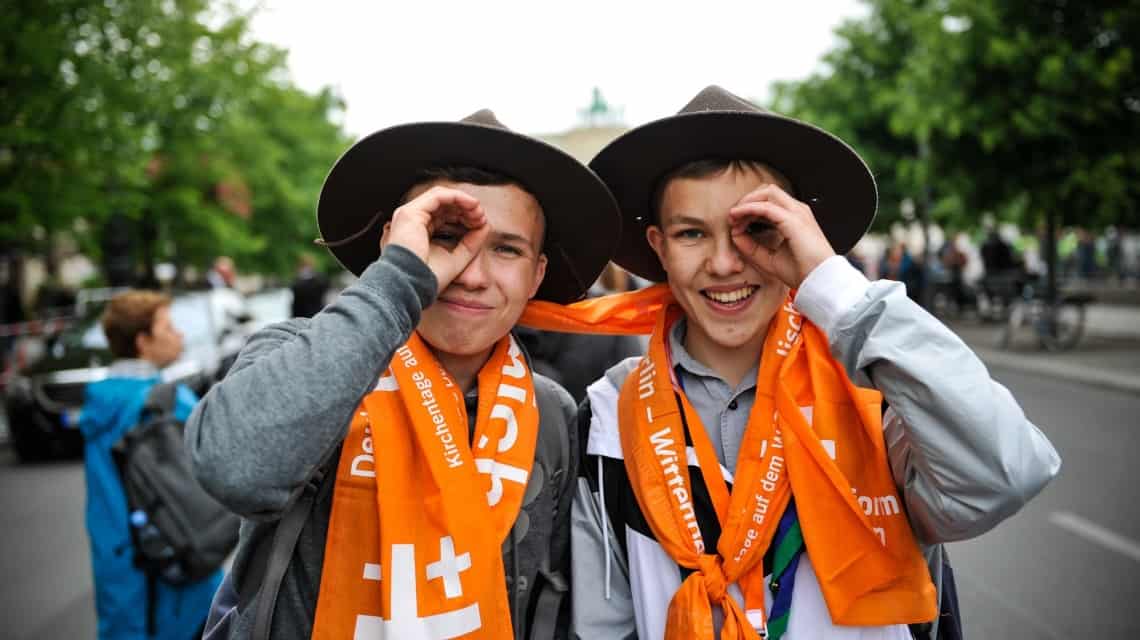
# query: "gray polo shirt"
723, 410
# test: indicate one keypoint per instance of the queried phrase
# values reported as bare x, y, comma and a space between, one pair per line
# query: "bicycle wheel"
1061, 326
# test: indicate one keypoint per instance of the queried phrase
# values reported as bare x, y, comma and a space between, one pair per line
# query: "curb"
1091, 376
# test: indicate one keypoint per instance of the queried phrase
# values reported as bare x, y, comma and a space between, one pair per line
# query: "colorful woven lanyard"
789, 547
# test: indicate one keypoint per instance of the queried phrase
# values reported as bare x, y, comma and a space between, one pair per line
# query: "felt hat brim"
824, 171
366, 184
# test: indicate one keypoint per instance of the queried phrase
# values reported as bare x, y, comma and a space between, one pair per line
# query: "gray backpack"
180, 533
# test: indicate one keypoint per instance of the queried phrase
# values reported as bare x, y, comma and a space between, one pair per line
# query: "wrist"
830, 291
806, 267
420, 275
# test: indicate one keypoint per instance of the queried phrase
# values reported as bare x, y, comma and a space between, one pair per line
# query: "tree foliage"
1028, 106
165, 112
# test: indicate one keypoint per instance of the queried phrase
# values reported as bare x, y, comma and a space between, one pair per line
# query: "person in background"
222, 275
953, 261
1086, 254
1113, 254
898, 264
143, 339
309, 288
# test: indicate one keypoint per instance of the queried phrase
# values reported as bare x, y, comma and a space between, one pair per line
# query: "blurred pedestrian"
898, 264
1113, 254
1003, 276
953, 261
309, 288
997, 254
1086, 254
143, 340
223, 274
11, 309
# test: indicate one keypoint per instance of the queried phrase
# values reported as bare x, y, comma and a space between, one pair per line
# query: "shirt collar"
683, 363
132, 368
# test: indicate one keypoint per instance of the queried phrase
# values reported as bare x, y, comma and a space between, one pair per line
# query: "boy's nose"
725, 259
475, 275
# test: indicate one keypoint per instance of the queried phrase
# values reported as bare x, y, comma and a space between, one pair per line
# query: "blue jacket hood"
112, 405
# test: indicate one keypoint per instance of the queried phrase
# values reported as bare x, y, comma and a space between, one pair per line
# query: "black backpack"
180, 533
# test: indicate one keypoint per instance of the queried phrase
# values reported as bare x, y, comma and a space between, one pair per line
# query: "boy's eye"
757, 227
688, 234
509, 250
764, 234
444, 237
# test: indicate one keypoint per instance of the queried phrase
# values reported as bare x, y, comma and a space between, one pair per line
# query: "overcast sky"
535, 63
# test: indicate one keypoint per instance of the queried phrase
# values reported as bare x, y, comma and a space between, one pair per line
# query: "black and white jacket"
962, 452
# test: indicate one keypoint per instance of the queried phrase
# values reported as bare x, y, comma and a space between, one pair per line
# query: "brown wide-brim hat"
824, 171
365, 186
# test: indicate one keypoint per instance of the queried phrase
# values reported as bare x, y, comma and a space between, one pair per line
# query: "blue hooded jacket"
111, 408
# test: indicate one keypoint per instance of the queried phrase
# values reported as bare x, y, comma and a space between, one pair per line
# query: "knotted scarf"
860, 543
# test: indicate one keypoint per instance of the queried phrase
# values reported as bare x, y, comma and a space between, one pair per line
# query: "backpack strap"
554, 587
281, 553
160, 399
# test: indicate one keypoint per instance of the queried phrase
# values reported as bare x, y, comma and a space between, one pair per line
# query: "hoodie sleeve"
962, 451
284, 406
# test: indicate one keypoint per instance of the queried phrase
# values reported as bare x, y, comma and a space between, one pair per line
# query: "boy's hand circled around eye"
445, 227
778, 234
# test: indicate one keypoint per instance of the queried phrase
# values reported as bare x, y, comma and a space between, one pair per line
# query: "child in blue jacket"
143, 340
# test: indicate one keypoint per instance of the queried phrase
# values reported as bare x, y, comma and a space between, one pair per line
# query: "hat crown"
486, 118
714, 98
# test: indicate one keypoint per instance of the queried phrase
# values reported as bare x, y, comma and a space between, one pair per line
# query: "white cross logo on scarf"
448, 567
406, 623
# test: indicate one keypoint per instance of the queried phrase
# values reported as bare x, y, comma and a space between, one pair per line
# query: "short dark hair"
472, 175
703, 168
469, 175
129, 314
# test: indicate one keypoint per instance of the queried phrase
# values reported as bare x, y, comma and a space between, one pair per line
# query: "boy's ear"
539, 274
656, 238
142, 343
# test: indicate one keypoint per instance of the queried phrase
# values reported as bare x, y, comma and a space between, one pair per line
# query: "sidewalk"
1107, 356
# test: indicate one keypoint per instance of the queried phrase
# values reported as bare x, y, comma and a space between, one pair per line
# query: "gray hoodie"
283, 410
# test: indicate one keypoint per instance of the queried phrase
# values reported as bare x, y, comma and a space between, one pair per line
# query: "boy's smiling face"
728, 302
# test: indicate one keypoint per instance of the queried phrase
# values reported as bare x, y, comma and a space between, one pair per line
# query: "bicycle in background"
1057, 325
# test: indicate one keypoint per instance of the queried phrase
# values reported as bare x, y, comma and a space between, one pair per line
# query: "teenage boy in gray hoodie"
476, 221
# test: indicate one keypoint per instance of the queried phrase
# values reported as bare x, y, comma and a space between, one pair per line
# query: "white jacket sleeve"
963, 453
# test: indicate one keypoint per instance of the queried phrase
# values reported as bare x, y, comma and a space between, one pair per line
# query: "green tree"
1019, 105
165, 112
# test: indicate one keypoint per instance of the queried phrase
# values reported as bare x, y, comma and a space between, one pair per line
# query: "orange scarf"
419, 517
860, 543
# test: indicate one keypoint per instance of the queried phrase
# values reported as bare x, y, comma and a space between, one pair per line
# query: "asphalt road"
1067, 566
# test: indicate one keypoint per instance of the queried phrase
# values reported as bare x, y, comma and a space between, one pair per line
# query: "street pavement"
1065, 566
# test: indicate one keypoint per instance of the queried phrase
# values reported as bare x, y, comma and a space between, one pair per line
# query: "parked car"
44, 398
